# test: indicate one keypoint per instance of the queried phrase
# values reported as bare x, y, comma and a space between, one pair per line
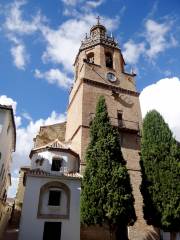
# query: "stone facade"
21, 187
50, 133
16, 213
99, 70
7, 146
5, 215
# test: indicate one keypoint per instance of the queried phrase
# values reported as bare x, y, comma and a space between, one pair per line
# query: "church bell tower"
99, 70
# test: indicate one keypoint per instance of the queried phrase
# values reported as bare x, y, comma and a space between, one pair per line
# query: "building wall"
74, 117
6, 146
90, 84
50, 133
5, 215
21, 188
130, 143
31, 227
69, 163
19, 198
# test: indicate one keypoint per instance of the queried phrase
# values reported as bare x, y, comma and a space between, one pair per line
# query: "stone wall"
50, 133
5, 215
96, 233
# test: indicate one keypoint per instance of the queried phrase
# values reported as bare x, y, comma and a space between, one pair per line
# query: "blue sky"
39, 41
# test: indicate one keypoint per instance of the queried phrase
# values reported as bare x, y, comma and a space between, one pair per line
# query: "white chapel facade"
52, 196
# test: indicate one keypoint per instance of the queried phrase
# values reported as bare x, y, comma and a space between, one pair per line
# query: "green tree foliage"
106, 191
160, 186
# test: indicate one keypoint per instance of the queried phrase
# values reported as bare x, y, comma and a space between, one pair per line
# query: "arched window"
54, 194
90, 57
109, 60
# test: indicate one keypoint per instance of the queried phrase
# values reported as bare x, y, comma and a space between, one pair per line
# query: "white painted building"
51, 207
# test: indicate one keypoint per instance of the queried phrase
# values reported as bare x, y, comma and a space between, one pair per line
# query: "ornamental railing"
61, 171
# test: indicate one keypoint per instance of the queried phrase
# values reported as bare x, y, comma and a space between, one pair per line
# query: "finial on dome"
98, 20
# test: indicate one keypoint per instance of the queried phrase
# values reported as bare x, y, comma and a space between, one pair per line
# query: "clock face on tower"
111, 77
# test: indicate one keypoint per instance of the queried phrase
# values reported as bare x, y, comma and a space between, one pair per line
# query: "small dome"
98, 28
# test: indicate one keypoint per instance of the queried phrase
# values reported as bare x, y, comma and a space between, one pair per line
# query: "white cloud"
156, 36
167, 73
27, 116
16, 27
132, 51
24, 138
71, 2
24, 144
4, 100
20, 56
55, 76
89, 3
12, 189
15, 22
64, 42
18, 121
94, 3
164, 96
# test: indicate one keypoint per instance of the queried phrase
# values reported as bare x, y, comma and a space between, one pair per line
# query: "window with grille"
54, 198
56, 164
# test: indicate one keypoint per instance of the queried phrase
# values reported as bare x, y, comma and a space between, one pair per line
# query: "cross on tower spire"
98, 20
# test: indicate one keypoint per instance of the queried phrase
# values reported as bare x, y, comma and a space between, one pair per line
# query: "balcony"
128, 126
121, 124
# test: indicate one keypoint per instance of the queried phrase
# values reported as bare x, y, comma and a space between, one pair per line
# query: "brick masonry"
121, 96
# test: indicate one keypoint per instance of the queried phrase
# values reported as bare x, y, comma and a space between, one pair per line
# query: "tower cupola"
98, 35
98, 30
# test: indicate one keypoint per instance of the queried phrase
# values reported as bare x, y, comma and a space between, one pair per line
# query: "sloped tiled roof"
55, 145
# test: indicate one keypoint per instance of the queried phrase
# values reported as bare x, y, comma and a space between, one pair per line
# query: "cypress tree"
106, 196
160, 173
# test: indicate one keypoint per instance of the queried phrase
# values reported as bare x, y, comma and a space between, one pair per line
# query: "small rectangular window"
56, 164
120, 119
54, 198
